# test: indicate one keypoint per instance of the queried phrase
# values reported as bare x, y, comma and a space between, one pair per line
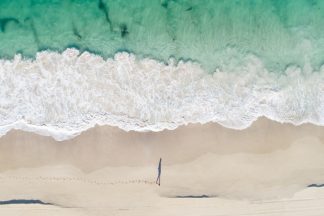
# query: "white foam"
63, 94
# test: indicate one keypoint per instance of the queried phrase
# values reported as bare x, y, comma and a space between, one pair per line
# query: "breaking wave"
63, 94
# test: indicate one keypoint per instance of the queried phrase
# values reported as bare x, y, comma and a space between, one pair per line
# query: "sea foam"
63, 94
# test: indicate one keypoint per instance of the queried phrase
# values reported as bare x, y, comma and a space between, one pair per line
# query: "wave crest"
63, 94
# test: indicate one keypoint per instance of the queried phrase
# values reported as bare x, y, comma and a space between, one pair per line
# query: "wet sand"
260, 170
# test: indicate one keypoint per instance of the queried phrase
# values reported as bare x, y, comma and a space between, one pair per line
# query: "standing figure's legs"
158, 180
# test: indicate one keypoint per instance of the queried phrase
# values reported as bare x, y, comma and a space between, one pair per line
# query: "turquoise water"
215, 33
256, 58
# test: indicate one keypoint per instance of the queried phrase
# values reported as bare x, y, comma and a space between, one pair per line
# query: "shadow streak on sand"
195, 196
316, 185
23, 201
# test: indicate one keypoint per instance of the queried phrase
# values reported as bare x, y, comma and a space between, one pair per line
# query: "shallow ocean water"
215, 33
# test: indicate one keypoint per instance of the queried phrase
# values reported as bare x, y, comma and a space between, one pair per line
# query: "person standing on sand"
159, 173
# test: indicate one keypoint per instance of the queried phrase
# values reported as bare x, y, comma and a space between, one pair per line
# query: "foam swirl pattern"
63, 94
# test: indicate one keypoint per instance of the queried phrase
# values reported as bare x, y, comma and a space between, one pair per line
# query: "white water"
61, 95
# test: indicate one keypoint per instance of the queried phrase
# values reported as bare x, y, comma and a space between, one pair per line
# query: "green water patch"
215, 33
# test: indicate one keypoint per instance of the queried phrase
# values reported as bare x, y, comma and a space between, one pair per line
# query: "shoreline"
62, 94
263, 136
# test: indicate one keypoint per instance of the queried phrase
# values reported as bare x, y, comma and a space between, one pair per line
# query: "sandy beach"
220, 101
206, 170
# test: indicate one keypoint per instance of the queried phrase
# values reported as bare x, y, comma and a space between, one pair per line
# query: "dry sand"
263, 170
